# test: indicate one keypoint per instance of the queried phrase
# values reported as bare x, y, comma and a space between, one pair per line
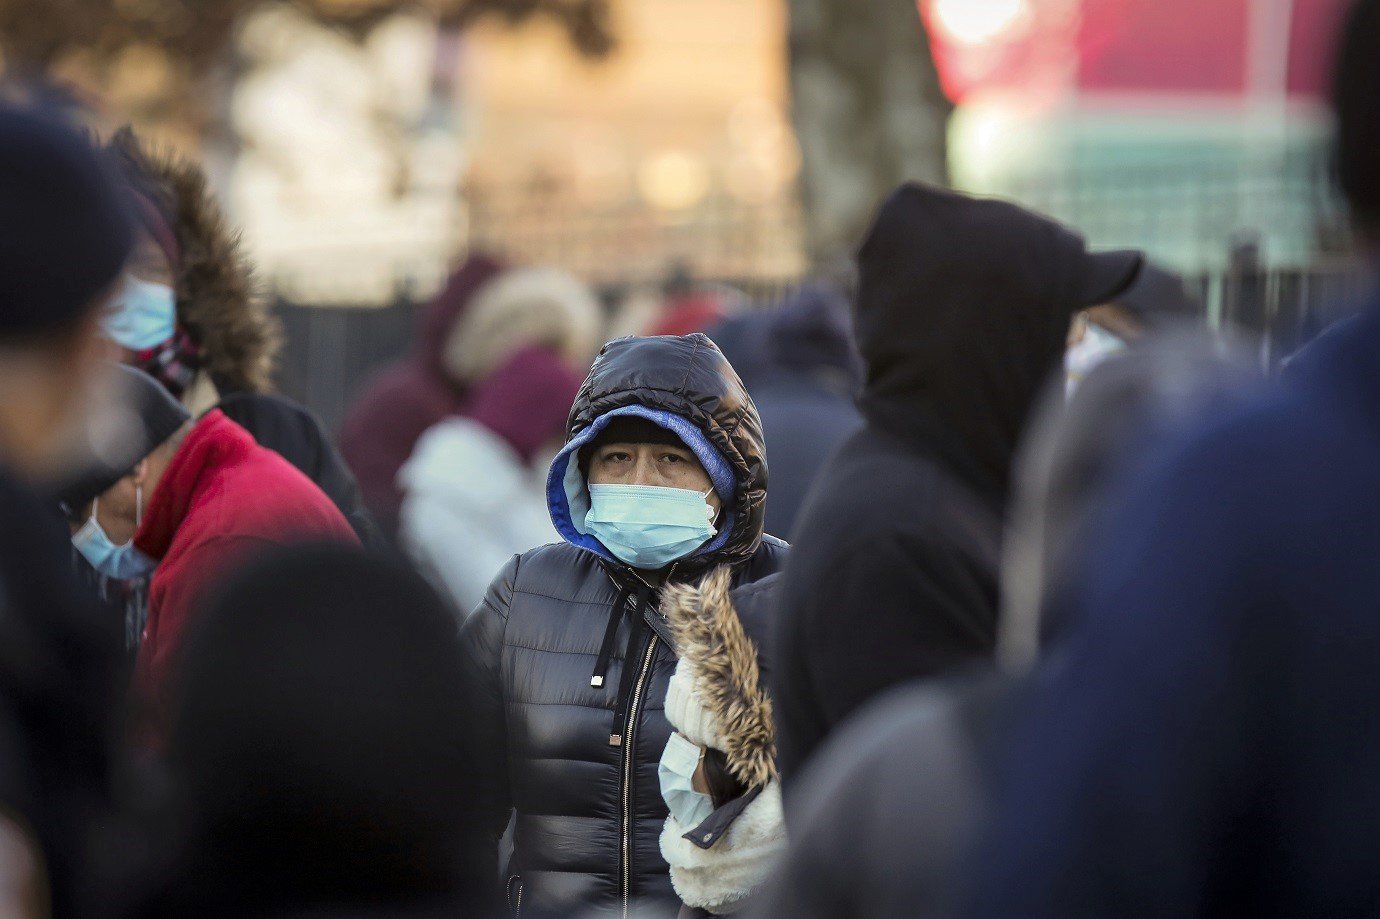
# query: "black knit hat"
628, 429
322, 734
65, 228
141, 418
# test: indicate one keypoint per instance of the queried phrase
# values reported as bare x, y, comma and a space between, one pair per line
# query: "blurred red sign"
1159, 47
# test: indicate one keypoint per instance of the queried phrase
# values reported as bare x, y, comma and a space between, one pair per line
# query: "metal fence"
332, 351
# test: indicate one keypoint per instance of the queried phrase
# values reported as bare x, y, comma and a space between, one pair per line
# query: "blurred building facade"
676, 148
364, 167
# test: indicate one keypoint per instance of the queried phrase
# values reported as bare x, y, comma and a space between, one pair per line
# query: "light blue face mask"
123, 563
144, 315
676, 773
648, 526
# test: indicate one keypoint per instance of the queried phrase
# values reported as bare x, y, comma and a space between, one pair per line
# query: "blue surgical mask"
123, 563
648, 526
676, 773
143, 315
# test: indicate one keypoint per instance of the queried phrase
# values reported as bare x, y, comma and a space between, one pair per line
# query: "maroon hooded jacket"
221, 499
408, 397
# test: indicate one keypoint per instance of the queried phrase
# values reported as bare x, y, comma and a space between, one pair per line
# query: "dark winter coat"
575, 750
962, 313
882, 820
1225, 764
60, 680
884, 817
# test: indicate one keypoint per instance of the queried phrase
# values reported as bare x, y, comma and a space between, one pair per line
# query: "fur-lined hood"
717, 697
720, 677
218, 301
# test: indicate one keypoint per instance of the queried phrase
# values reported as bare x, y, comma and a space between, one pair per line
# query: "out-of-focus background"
366, 145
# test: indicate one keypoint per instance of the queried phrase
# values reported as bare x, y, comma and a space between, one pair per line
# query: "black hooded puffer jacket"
575, 733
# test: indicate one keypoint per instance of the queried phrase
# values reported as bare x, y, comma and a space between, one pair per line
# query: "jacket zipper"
629, 744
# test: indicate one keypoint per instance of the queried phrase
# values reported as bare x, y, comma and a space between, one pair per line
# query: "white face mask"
1095, 347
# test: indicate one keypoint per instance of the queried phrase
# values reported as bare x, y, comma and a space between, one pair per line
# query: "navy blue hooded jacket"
1208, 740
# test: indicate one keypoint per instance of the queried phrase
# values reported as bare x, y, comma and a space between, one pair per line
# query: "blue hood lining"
567, 495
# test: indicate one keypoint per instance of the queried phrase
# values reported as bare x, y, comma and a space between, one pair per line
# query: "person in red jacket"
206, 499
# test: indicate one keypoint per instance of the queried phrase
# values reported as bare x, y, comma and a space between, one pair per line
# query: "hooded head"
520, 308
810, 334
447, 308
221, 324
684, 385
524, 401
963, 310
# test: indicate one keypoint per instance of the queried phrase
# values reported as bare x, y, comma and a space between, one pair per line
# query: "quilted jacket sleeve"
481, 640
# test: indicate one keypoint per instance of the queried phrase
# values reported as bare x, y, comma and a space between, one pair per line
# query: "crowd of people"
1076, 616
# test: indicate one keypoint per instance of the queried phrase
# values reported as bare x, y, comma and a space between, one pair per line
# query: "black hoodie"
962, 314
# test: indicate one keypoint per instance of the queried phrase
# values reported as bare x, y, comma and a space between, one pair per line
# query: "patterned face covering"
173, 363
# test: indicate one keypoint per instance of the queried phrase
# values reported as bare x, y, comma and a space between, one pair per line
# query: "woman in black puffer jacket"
570, 657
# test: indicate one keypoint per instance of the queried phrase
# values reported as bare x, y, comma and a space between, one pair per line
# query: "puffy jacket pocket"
515, 896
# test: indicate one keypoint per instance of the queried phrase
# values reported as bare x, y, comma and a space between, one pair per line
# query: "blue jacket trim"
568, 498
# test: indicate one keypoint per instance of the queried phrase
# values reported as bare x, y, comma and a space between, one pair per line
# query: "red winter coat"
222, 498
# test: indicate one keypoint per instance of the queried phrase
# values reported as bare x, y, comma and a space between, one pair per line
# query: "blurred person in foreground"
65, 234
482, 318
885, 815
799, 363
663, 478
321, 748
718, 777
963, 311
146, 417
190, 315
1205, 744
475, 489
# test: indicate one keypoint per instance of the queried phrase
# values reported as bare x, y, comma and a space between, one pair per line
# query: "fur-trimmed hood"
218, 300
717, 696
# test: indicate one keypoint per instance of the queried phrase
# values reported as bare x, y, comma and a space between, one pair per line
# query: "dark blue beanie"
65, 229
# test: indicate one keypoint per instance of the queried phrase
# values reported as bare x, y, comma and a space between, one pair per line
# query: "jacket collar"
215, 442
